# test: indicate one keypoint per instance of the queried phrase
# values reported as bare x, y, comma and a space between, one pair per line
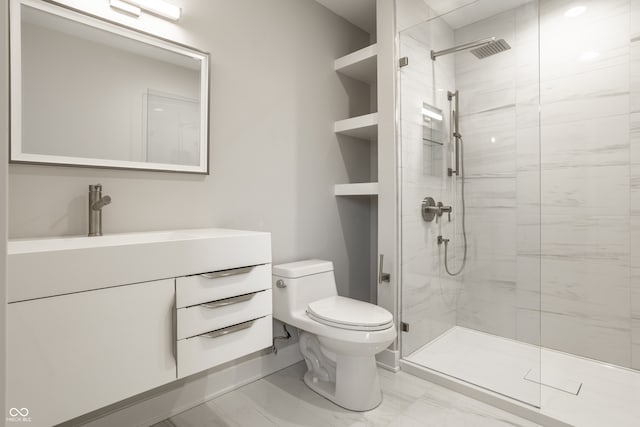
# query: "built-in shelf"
360, 65
363, 127
359, 189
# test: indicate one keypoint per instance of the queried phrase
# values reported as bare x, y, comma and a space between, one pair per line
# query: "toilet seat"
347, 313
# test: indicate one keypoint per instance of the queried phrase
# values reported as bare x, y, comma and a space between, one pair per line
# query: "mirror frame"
16, 154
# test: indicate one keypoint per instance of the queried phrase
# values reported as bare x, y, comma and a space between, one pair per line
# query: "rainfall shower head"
491, 48
480, 48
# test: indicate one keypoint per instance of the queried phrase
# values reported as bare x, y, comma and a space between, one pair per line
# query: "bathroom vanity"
94, 320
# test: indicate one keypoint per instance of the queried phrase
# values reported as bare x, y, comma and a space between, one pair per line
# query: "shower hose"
464, 229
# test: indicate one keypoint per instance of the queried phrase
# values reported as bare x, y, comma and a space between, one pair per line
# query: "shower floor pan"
546, 386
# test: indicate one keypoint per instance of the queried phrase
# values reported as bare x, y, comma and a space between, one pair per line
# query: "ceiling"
472, 10
457, 13
361, 13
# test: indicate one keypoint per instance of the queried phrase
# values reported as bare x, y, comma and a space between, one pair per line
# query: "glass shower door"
470, 188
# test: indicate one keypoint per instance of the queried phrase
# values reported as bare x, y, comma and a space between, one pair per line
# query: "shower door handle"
383, 277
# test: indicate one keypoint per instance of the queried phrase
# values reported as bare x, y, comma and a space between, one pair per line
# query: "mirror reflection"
96, 94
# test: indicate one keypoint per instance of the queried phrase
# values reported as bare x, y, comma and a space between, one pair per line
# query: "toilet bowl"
339, 337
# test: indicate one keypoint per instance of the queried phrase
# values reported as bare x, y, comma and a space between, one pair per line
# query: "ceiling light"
125, 7
158, 7
575, 11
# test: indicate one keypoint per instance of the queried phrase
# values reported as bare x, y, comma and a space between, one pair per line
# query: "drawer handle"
226, 273
228, 301
227, 331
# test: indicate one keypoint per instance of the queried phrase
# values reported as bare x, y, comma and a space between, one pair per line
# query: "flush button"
280, 283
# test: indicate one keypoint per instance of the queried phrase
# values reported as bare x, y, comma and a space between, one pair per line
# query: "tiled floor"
282, 399
578, 391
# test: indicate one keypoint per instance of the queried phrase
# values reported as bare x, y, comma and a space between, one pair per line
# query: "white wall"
274, 157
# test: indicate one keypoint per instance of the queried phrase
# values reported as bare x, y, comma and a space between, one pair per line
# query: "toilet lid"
347, 313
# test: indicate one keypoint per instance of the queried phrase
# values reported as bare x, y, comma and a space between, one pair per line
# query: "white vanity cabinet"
221, 316
93, 321
72, 354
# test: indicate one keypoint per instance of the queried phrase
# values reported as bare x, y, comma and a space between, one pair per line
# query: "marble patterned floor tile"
282, 399
447, 409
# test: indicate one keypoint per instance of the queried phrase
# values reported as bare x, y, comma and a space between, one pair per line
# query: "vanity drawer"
205, 351
219, 314
197, 289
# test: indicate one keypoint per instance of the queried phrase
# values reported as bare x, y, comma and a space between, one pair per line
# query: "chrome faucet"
96, 203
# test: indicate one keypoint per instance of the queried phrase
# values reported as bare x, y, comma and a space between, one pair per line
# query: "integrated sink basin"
40, 268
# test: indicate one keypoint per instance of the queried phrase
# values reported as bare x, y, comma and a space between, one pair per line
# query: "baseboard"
172, 399
389, 360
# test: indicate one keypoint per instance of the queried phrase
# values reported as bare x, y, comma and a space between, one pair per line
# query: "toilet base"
350, 381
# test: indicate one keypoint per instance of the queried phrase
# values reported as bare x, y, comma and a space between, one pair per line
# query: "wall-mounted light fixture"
156, 7
429, 112
127, 8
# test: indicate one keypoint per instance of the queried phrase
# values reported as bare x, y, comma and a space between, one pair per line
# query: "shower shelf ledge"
363, 127
361, 65
358, 189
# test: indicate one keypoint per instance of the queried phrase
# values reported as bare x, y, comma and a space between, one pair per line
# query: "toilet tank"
304, 282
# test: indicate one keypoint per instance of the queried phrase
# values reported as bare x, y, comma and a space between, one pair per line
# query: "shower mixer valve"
431, 210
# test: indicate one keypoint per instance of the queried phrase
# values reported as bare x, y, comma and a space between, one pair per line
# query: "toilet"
339, 337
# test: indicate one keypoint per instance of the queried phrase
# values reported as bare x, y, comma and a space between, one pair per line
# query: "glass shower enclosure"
470, 190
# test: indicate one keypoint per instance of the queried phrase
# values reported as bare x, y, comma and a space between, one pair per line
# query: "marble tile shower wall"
580, 156
586, 170
500, 128
589, 204
428, 297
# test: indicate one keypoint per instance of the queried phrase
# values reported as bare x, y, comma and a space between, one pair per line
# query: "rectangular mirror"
88, 92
